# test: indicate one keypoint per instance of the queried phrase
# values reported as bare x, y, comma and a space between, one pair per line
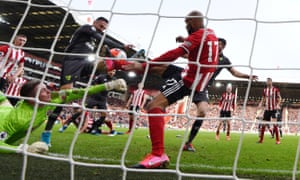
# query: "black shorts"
73, 70
225, 114
134, 108
3, 84
269, 114
172, 76
97, 105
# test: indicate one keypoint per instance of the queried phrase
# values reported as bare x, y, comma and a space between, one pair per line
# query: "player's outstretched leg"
194, 131
46, 135
157, 158
97, 123
69, 121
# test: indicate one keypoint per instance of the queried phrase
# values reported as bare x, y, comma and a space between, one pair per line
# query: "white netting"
153, 19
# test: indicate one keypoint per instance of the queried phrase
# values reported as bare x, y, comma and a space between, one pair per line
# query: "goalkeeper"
15, 122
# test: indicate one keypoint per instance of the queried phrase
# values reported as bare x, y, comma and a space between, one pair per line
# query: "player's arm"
19, 69
239, 74
3, 50
129, 101
166, 57
65, 96
145, 100
263, 100
93, 32
233, 103
279, 99
7, 148
220, 102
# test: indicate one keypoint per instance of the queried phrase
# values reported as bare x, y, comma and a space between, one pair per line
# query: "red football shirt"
271, 95
15, 87
227, 102
202, 50
16, 56
138, 97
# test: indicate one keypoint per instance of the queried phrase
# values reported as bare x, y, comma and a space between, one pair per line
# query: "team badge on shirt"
3, 135
187, 43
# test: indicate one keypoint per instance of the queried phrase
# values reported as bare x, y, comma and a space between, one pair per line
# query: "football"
38, 147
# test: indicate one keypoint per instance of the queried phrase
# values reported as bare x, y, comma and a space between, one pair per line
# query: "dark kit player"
85, 41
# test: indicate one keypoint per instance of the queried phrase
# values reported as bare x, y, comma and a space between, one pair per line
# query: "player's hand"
278, 107
128, 46
134, 66
254, 78
180, 39
38, 147
10, 78
119, 84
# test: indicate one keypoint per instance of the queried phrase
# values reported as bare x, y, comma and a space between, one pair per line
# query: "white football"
38, 147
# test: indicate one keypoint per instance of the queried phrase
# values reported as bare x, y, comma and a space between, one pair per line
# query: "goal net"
262, 39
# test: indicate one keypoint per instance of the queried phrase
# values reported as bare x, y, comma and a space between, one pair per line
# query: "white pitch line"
182, 165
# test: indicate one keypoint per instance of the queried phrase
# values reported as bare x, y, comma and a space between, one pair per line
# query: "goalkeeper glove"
118, 84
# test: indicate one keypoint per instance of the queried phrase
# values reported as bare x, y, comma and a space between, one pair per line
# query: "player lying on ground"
14, 122
176, 88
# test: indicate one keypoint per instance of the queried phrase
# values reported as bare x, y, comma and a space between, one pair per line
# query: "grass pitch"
256, 161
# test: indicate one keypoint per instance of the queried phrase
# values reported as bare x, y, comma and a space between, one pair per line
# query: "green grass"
256, 161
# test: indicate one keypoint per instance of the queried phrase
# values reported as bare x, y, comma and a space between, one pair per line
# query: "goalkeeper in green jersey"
15, 121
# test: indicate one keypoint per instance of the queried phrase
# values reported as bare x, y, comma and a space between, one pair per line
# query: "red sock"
270, 130
109, 125
262, 132
276, 132
156, 128
130, 125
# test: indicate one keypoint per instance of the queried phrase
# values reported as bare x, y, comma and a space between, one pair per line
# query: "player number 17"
211, 48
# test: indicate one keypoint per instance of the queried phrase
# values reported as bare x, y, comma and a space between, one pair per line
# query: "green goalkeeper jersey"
15, 121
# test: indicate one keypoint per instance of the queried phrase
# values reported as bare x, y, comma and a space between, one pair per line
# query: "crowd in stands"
119, 116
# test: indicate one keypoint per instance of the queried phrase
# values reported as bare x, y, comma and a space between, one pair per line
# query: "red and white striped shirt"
16, 57
271, 96
138, 97
227, 102
15, 87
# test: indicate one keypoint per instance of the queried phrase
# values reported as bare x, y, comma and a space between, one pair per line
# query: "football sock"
271, 131
276, 132
280, 131
73, 118
194, 131
262, 132
98, 122
228, 130
130, 125
109, 125
156, 128
52, 118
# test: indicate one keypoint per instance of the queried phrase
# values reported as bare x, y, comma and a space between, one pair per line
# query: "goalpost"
113, 13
